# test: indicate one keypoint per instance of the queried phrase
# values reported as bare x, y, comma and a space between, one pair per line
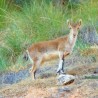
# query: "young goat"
57, 48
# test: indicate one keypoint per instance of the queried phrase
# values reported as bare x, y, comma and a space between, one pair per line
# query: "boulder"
64, 79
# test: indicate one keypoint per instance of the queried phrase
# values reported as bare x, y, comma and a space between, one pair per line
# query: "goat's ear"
69, 23
80, 22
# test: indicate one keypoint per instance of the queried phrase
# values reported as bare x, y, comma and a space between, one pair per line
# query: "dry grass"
86, 89
25, 86
81, 69
93, 50
46, 87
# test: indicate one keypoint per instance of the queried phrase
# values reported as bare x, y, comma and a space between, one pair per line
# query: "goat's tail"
26, 57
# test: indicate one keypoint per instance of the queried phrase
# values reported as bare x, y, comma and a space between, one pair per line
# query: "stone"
64, 79
63, 89
96, 71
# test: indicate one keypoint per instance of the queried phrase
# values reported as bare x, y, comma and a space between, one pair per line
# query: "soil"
21, 85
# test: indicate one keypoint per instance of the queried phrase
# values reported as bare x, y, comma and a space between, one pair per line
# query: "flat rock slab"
64, 79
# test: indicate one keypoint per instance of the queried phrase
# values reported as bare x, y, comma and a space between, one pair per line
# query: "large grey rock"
64, 79
89, 35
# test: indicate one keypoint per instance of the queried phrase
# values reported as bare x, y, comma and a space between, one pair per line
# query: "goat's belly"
50, 56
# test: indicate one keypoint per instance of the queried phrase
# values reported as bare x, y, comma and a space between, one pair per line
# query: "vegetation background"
23, 22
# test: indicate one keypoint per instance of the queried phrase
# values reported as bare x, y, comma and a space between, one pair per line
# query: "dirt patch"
40, 92
28, 86
86, 89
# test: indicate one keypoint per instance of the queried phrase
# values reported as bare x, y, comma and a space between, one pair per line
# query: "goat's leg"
61, 64
62, 69
33, 71
64, 55
36, 66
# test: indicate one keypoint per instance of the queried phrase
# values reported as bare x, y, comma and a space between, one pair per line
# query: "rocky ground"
84, 66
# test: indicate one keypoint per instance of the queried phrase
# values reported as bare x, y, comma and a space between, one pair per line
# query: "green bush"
37, 22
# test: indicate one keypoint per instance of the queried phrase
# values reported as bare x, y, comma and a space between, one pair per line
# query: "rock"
89, 35
62, 89
96, 71
13, 77
9, 78
1, 96
64, 79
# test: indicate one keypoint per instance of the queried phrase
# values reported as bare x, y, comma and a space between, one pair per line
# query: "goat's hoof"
60, 72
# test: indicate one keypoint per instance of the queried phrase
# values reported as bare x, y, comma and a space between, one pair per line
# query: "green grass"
91, 77
38, 21
3, 11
